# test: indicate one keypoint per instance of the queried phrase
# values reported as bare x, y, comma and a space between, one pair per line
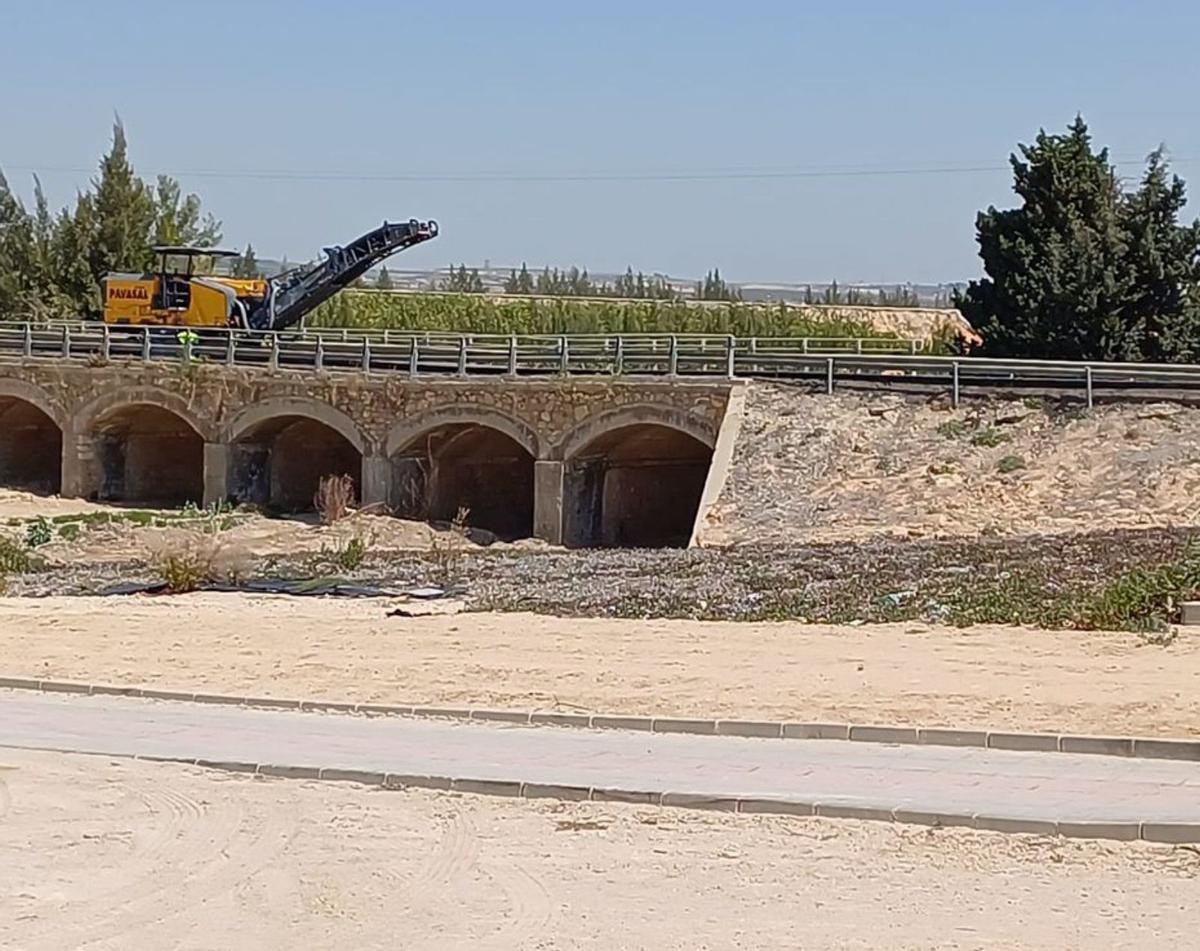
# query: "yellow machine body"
180, 299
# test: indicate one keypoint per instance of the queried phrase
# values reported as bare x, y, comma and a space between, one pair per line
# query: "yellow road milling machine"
176, 296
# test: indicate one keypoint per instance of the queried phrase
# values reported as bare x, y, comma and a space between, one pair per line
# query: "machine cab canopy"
182, 260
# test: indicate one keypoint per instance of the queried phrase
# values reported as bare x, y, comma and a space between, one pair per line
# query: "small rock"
1167, 411
1012, 418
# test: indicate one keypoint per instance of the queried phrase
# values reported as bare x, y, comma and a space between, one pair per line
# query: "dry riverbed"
983, 676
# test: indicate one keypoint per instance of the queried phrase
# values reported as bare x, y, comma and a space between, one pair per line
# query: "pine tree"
1081, 270
1164, 258
384, 281
462, 281
245, 266
178, 220
524, 280
16, 253
124, 215
715, 288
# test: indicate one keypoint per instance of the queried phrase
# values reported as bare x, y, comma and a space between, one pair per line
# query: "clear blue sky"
332, 100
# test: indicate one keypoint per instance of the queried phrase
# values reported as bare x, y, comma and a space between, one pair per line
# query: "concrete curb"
1130, 747
1173, 833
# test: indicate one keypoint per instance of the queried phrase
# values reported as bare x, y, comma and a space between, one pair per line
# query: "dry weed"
447, 548
335, 498
186, 560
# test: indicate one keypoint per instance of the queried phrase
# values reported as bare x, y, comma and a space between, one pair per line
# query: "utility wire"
720, 174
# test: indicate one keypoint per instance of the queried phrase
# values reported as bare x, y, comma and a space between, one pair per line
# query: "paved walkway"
1053, 787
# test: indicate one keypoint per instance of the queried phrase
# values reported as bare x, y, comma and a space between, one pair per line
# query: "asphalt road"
1054, 787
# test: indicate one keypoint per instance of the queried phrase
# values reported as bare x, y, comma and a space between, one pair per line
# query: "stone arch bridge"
577, 462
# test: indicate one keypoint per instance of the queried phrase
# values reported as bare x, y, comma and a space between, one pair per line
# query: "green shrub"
476, 313
1143, 598
14, 557
38, 533
989, 438
69, 531
182, 573
187, 558
1010, 464
346, 556
952, 428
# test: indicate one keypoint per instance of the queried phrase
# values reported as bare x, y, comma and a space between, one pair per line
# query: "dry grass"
447, 548
186, 560
335, 498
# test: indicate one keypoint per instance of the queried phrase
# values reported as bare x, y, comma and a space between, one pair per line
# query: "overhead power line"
719, 174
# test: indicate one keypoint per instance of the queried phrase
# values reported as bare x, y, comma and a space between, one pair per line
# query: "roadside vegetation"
468, 313
42, 530
1115, 580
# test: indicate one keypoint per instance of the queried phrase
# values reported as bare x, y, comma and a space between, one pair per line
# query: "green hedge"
472, 313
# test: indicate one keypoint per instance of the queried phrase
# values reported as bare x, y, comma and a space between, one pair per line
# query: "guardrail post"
462, 356
28, 342
385, 337
619, 357
105, 343
858, 345
319, 357
366, 354
66, 342
512, 355
912, 348
274, 364
1087, 379
673, 357
829, 376
730, 356
564, 355
414, 358
954, 395
230, 349
146, 343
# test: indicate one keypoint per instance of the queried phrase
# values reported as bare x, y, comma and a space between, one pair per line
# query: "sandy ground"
107, 854
252, 535
350, 650
810, 467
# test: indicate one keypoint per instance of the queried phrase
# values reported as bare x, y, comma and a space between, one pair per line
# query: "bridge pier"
216, 473
376, 480
73, 465
548, 501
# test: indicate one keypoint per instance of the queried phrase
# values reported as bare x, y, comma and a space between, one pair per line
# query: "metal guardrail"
828, 360
387, 337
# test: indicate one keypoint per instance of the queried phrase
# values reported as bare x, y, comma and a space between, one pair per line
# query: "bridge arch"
84, 418
31, 437
147, 446
634, 477
409, 428
470, 458
281, 448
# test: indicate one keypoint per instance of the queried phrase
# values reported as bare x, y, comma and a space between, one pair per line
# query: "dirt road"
117, 854
338, 649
